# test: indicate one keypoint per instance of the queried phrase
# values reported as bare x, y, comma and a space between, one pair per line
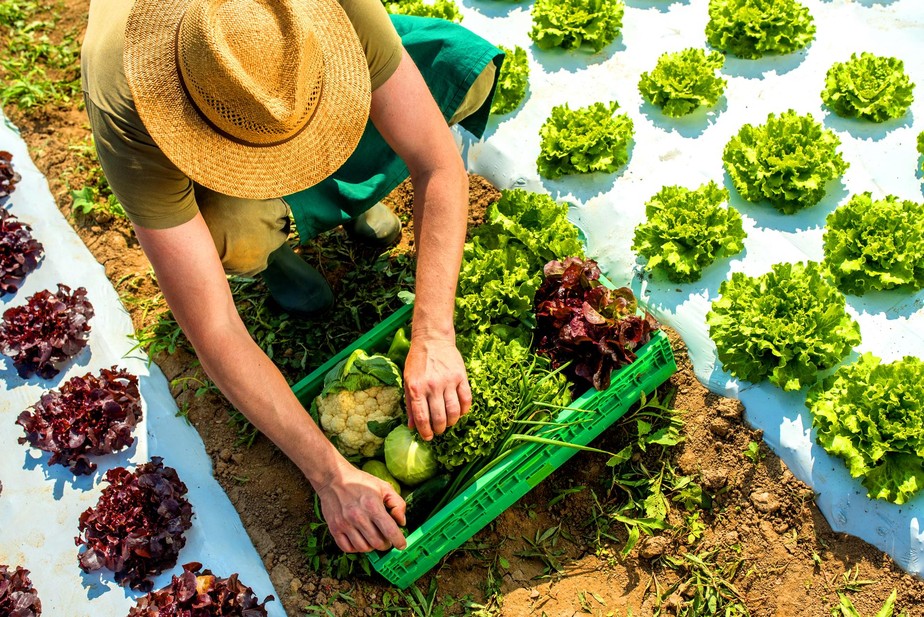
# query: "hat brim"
227, 166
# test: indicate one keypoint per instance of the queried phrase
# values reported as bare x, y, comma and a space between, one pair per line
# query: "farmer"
214, 119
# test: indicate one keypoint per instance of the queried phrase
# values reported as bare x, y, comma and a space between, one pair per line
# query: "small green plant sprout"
683, 81
571, 24
512, 81
847, 609
784, 326
868, 87
442, 9
787, 161
585, 140
687, 230
754, 28
891, 253
753, 452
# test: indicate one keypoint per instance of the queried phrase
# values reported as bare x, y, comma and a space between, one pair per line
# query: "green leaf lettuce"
784, 326
868, 87
872, 415
683, 81
687, 230
584, 140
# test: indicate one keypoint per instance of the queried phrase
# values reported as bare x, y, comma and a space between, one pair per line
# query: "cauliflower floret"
344, 416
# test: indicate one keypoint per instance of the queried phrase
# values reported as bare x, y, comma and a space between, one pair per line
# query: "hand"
435, 385
362, 512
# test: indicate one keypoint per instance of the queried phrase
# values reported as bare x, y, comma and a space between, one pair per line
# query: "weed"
322, 554
704, 586
852, 581
417, 603
96, 195
542, 546
36, 71
846, 608
754, 453
182, 411
642, 471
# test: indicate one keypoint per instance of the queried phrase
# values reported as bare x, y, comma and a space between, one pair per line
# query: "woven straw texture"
260, 90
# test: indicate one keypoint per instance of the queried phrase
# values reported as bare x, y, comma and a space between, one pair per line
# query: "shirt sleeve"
378, 36
153, 191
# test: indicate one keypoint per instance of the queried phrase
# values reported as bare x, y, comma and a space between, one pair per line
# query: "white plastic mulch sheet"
40, 504
688, 152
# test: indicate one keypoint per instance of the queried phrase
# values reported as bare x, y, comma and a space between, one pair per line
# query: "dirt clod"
765, 502
654, 546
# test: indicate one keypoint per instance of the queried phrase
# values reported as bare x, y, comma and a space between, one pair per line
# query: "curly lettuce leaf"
502, 263
584, 140
872, 415
868, 87
512, 81
921, 148
573, 23
687, 230
683, 81
443, 9
784, 326
875, 244
504, 377
754, 28
787, 161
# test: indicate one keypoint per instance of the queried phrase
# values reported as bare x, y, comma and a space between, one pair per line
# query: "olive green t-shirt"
153, 191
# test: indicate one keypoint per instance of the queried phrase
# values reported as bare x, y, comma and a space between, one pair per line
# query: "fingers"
437, 403
396, 506
418, 412
464, 392
452, 406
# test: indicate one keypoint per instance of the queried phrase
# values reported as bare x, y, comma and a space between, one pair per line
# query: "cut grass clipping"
512, 82
754, 28
683, 81
868, 87
875, 244
784, 326
787, 161
872, 415
571, 24
585, 140
687, 230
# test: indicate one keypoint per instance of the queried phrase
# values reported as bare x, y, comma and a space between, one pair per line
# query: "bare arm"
406, 115
194, 284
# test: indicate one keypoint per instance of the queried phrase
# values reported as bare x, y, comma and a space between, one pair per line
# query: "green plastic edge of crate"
520, 472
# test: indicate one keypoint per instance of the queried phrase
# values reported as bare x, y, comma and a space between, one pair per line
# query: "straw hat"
250, 98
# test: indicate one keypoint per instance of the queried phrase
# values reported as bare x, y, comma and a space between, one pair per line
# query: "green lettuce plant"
683, 81
754, 28
443, 9
783, 326
584, 140
573, 23
875, 244
868, 87
921, 147
502, 263
687, 230
512, 81
787, 161
872, 415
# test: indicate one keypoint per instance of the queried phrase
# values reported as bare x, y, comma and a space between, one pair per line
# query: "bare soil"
789, 561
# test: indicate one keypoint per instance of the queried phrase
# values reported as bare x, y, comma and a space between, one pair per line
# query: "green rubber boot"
378, 226
295, 286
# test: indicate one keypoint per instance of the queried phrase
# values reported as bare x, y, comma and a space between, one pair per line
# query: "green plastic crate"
519, 472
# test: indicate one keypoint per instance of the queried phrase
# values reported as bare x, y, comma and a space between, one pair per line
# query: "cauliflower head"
360, 389
344, 416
